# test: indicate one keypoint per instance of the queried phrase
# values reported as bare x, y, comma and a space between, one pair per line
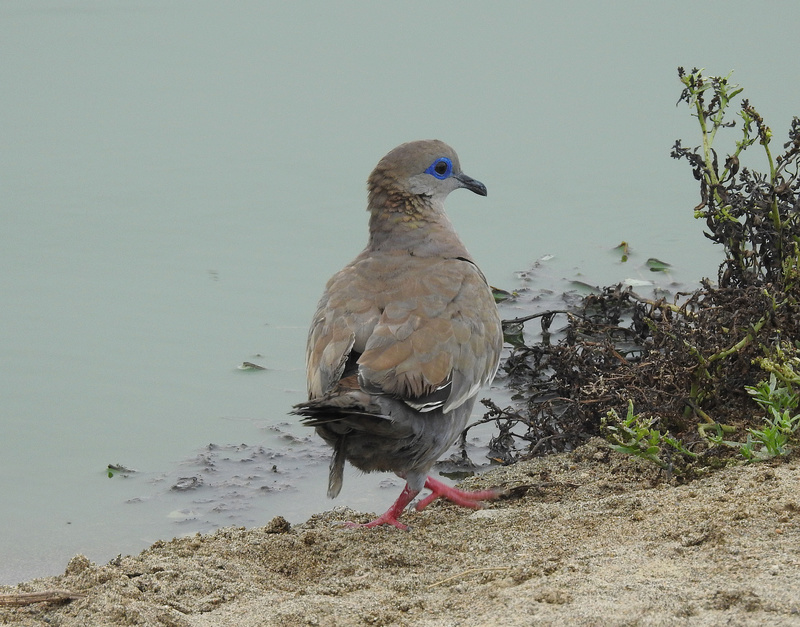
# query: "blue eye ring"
441, 168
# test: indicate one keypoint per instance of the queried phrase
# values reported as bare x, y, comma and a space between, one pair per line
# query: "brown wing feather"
415, 336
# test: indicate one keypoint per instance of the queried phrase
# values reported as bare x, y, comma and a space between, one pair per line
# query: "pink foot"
390, 517
438, 489
459, 497
384, 519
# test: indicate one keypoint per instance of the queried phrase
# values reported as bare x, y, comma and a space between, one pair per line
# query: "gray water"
179, 179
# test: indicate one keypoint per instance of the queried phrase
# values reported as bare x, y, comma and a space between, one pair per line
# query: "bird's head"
427, 168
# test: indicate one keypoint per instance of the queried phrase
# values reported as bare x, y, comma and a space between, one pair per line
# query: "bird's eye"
441, 168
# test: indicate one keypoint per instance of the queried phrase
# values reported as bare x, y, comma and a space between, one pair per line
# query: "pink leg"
438, 489
459, 497
391, 514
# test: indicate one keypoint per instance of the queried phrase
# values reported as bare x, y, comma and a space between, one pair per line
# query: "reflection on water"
178, 180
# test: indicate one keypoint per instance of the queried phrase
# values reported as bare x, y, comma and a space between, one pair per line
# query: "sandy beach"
585, 538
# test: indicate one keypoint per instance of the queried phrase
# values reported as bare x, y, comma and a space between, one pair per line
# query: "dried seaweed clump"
684, 364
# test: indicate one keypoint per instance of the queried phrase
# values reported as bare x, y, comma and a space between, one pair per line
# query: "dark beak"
471, 184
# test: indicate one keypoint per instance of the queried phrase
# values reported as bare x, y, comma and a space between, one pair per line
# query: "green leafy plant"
751, 214
714, 433
773, 439
781, 424
773, 397
783, 362
636, 436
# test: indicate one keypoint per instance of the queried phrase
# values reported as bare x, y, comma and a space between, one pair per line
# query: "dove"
404, 336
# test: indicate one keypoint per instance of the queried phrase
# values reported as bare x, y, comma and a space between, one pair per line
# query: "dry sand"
586, 538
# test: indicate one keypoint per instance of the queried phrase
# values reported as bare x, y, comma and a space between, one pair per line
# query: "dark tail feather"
336, 470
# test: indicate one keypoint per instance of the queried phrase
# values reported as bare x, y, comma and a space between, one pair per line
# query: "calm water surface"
178, 180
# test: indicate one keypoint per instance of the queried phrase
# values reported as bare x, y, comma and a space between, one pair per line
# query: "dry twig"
44, 596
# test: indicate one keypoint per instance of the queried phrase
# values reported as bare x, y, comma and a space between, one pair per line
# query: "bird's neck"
417, 224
